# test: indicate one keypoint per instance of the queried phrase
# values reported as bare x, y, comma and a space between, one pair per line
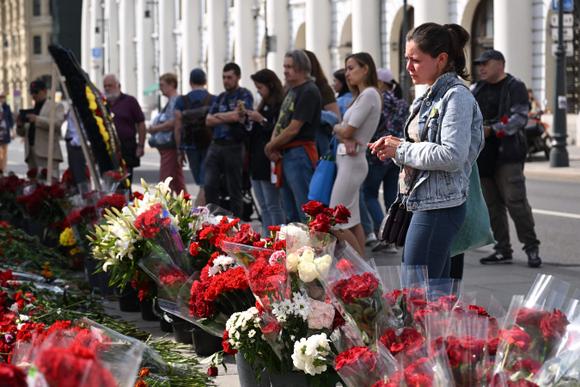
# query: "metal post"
404, 77
559, 153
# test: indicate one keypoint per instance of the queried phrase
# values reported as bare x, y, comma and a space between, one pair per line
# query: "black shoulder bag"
396, 223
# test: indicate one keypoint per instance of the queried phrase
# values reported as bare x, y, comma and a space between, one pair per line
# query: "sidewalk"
539, 167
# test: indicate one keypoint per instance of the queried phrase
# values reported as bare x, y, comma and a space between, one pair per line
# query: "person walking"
129, 123
354, 132
224, 160
169, 165
293, 142
263, 120
6, 124
504, 103
443, 138
192, 136
34, 127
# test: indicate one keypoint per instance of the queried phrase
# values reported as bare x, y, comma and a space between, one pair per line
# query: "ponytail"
433, 39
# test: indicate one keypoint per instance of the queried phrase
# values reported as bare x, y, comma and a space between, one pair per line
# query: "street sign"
567, 32
567, 6
568, 48
567, 20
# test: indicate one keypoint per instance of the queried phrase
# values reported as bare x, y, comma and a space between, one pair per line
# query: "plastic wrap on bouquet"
169, 277
429, 369
308, 257
363, 367
405, 291
112, 180
156, 225
356, 289
463, 337
533, 330
564, 368
84, 355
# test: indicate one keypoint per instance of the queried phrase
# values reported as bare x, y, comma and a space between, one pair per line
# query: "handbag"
162, 140
165, 139
322, 182
476, 229
395, 225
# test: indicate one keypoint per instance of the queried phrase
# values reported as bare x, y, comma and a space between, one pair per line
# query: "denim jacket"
454, 138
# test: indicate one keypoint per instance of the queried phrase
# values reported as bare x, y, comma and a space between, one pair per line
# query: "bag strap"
186, 102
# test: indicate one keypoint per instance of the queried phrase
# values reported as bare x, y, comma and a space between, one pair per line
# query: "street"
556, 206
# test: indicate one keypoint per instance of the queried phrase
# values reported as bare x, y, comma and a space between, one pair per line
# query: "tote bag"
476, 229
320, 188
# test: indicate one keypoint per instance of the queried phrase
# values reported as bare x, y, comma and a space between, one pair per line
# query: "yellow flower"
67, 238
74, 251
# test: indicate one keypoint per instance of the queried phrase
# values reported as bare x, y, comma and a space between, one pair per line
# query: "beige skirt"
351, 173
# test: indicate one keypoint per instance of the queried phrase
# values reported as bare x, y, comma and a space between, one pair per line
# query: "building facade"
27, 28
141, 39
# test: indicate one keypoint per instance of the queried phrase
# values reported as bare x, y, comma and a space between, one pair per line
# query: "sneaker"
534, 259
387, 247
371, 239
496, 258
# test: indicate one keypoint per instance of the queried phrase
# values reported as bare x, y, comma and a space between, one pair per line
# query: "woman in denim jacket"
443, 137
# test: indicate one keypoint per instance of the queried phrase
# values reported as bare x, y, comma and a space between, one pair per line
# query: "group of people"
424, 153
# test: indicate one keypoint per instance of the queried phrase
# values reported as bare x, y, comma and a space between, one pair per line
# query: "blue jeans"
429, 239
196, 160
388, 174
298, 171
270, 203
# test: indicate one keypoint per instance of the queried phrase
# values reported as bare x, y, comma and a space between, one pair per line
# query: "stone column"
112, 37
146, 54
318, 31
277, 22
512, 31
166, 36
216, 32
366, 29
127, 53
191, 38
436, 11
244, 40
96, 43
86, 35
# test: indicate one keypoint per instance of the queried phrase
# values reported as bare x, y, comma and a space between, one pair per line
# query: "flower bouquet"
532, 331
321, 218
361, 366
355, 288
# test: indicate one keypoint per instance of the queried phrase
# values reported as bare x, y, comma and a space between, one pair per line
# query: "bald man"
129, 122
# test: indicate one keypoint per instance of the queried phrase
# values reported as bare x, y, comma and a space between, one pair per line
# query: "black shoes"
496, 259
534, 259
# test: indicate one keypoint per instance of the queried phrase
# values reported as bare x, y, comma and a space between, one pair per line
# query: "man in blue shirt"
191, 133
227, 116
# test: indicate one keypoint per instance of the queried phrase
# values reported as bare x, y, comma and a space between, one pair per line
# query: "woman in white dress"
354, 133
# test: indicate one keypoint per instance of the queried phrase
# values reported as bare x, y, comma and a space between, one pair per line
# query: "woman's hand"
152, 129
255, 116
385, 147
350, 146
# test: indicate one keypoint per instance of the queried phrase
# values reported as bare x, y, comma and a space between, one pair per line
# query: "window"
36, 8
482, 33
37, 45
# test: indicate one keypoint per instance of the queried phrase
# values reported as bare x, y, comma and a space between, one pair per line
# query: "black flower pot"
147, 312
205, 344
182, 331
128, 300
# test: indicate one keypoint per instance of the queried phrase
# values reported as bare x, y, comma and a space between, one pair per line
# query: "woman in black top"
264, 118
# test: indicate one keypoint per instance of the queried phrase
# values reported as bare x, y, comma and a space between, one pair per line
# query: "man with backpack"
191, 134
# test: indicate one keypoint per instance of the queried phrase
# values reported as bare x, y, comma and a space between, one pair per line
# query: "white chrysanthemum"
307, 271
307, 254
310, 354
220, 264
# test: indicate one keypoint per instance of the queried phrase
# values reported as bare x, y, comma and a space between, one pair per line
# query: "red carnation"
226, 345
344, 265
313, 208
354, 355
553, 325
150, 222
212, 372
357, 286
193, 249
321, 223
341, 214
529, 316
12, 376
517, 337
